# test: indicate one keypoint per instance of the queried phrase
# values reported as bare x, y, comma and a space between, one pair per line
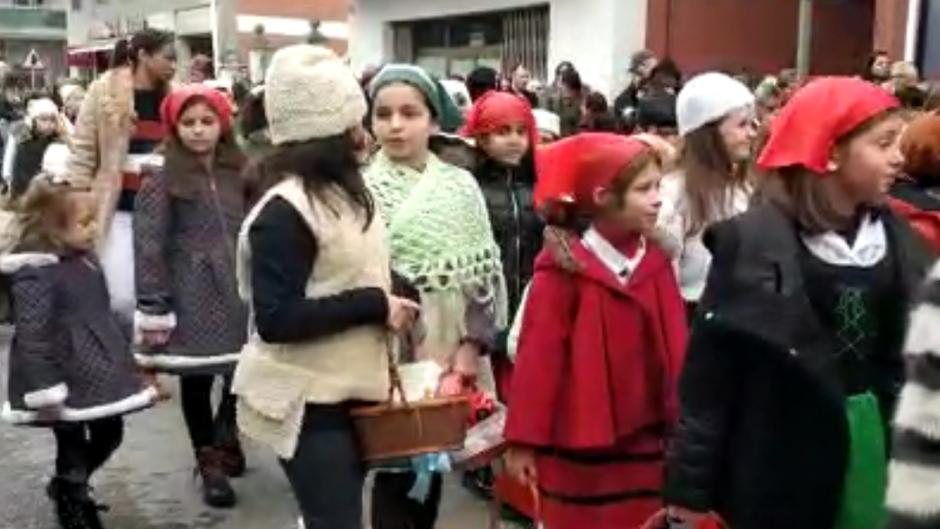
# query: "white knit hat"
310, 93
42, 106
709, 97
547, 121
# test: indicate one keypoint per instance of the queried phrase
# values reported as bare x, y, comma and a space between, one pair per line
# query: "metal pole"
804, 47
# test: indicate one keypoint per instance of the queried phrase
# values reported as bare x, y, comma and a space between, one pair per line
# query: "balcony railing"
33, 22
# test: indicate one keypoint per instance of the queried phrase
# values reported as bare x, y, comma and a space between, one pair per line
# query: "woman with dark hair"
877, 67
118, 126
566, 100
595, 115
793, 372
313, 259
715, 114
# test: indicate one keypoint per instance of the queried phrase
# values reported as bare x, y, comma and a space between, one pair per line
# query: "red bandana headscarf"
816, 117
571, 170
496, 110
172, 105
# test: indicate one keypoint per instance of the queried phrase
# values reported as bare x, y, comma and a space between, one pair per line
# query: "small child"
71, 368
44, 126
602, 341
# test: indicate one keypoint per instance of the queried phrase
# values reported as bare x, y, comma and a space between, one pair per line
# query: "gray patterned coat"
186, 225
68, 350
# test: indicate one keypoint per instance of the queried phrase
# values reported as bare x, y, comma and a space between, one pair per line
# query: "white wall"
598, 36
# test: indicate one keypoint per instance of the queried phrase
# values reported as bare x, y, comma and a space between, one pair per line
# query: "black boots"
74, 507
216, 490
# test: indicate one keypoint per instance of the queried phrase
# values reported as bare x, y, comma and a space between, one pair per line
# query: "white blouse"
691, 259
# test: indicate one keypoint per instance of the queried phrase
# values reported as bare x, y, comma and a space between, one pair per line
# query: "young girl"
794, 368
189, 315
715, 118
603, 334
442, 242
71, 368
504, 129
44, 125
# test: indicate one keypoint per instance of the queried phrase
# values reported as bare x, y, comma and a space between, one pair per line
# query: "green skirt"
866, 476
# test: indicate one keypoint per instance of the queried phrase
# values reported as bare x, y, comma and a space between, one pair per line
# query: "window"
76, 5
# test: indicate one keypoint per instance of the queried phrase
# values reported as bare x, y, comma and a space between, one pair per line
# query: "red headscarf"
571, 170
496, 110
816, 117
172, 105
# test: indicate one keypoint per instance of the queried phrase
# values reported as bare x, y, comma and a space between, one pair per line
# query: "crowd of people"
702, 304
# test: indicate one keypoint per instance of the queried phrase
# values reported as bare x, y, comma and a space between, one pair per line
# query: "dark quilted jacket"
184, 243
68, 350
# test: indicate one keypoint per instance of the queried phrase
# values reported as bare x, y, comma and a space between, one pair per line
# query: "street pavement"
149, 483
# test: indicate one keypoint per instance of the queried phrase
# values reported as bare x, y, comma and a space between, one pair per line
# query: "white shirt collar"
869, 248
619, 264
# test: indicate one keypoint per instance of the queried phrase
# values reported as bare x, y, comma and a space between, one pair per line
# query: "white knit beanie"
309, 93
709, 97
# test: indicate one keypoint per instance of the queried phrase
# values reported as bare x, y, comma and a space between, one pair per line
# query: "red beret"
173, 104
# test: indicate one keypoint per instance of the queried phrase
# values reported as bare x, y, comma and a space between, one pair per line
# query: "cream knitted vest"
275, 381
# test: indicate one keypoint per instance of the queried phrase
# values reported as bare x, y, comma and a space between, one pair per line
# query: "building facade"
598, 36
450, 37
33, 36
237, 34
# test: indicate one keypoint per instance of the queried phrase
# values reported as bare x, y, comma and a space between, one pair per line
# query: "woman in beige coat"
117, 130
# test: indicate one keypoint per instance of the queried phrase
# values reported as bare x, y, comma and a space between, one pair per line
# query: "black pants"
207, 427
83, 447
326, 472
393, 509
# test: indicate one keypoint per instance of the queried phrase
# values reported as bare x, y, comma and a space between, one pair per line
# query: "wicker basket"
388, 431
394, 430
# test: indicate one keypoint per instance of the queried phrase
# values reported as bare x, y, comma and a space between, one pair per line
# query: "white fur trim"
154, 322
44, 398
176, 362
135, 402
913, 490
12, 263
923, 335
135, 163
41, 107
919, 411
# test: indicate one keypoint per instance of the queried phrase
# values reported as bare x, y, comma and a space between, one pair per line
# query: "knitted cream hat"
709, 97
309, 93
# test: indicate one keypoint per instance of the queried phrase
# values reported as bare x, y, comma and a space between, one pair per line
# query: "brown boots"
216, 490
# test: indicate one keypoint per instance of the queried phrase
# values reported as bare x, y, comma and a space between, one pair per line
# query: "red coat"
594, 388
598, 361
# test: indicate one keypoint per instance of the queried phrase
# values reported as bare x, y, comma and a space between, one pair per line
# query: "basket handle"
394, 375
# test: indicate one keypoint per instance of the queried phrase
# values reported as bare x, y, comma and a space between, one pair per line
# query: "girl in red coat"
594, 390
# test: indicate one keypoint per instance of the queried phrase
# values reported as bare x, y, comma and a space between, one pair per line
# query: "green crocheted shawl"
441, 237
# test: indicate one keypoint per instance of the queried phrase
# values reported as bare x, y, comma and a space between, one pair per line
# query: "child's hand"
155, 338
150, 379
451, 385
520, 463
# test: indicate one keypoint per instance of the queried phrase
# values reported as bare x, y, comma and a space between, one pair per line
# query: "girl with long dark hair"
314, 261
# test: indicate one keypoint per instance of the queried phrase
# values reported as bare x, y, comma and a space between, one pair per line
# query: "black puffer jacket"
518, 229
763, 434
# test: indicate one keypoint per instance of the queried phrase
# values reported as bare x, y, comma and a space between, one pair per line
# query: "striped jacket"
913, 496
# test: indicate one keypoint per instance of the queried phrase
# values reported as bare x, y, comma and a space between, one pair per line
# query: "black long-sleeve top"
284, 252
